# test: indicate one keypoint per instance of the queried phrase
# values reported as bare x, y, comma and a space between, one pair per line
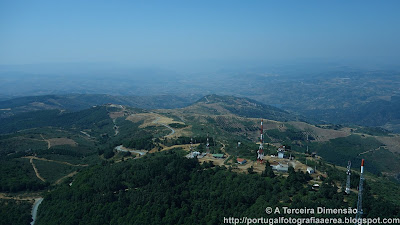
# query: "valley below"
53, 157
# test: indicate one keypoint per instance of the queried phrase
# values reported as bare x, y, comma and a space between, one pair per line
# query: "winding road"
165, 125
143, 152
376, 149
123, 149
35, 209
48, 142
36, 171
116, 128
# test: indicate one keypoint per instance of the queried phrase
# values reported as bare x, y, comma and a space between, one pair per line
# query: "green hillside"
45, 151
82, 120
166, 188
76, 102
382, 113
244, 107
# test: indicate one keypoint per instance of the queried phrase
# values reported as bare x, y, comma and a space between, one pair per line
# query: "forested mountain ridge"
78, 156
329, 93
379, 112
240, 106
56, 118
76, 102
365, 111
165, 188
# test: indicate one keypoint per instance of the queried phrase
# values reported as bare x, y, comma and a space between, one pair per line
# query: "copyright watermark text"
311, 220
310, 211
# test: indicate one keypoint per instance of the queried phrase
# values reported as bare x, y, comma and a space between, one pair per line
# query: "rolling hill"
75, 102
74, 154
239, 106
382, 113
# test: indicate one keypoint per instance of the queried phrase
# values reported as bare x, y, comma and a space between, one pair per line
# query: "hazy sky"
168, 33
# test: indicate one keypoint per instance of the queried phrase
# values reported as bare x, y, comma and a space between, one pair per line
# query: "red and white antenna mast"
360, 193
260, 152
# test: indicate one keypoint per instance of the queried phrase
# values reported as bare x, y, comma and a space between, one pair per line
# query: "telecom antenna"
360, 192
348, 177
260, 152
208, 145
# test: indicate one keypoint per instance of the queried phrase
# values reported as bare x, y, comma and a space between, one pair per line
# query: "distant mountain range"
340, 96
382, 113
210, 104
228, 116
77, 102
378, 112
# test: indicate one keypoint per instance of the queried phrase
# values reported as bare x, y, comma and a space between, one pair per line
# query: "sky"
169, 34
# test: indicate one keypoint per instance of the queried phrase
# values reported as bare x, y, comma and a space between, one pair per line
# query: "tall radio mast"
360, 192
260, 152
348, 177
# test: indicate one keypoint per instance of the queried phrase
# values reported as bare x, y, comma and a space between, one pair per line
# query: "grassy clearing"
62, 141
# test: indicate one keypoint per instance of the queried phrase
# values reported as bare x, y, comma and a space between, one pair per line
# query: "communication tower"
360, 192
260, 152
348, 177
208, 145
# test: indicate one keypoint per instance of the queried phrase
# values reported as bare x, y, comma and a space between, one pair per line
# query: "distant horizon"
196, 36
310, 66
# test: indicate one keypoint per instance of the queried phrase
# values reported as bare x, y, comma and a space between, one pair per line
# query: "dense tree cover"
94, 118
368, 113
338, 175
289, 134
18, 175
66, 150
16, 144
386, 189
108, 154
142, 142
27, 120
340, 150
75, 102
384, 161
15, 212
177, 125
268, 171
52, 171
131, 136
166, 188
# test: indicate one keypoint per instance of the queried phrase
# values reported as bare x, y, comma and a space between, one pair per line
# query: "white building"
193, 155
280, 167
